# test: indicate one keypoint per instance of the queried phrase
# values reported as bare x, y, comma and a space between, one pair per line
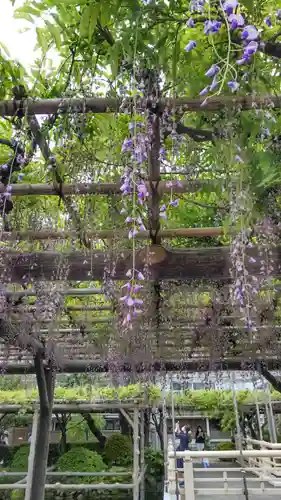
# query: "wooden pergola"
157, 342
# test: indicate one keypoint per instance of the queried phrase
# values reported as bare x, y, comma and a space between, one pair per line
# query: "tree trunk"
45, 381
147, 416
159, 426
125, 427
94, 429
63, 421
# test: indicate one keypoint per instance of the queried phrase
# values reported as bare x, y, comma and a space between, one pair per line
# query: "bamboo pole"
136, 455
98, 366
193, 232
107, 105
31, 455
68, 292
105, 188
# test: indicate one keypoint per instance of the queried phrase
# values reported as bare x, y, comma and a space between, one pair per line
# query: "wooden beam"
190, 365
106, 188
68, 292
193, 232
110, 105
202, 264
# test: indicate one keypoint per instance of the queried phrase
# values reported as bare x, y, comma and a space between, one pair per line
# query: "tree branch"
262, 370
41, 382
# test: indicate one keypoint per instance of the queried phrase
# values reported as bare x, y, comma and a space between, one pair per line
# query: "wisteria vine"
248, 36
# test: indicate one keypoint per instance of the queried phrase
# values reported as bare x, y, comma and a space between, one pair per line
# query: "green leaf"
27, 9
54, 30
104, 14
24, 15
93, 17
41, 37
84, 22
5, 49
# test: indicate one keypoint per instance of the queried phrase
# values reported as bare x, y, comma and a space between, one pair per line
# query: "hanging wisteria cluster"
135, 197
236, 26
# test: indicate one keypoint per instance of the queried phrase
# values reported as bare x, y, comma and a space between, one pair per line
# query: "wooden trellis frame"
169, 265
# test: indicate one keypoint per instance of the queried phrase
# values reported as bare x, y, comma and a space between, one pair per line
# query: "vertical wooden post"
165, 440
46, 382
142, 460
136, 455
31, 454
188, 480
208, 432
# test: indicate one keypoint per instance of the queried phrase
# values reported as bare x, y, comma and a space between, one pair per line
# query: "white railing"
273, 462
188, 484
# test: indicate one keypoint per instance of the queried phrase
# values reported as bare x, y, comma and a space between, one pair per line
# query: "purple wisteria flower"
249, 50
174, 203
214, 69
142, 192
163, 212
20, 159
250, 33
162, 154
229, 6
211, 27
190, 46
197, 5
268, 21
236, 20
127, 146
233, 85
238, 159
278, 13
204, 91
190, 23
214, 84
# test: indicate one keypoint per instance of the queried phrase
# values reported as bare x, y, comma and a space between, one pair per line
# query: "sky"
20, 45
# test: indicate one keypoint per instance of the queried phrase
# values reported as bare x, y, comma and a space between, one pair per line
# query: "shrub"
118, 450
154, 477
225, 446
20, 459
80, 459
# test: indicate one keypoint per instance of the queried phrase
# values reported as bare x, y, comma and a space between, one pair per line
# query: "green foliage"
20, 459
81, 459
224, 446
154, 477
118, 450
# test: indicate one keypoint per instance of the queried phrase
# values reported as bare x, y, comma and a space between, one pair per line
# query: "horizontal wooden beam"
204, 264
68, 292
106, 188
193, 365
109, 105
193, 232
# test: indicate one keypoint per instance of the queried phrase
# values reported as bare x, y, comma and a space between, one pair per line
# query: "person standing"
200, 439
183, 435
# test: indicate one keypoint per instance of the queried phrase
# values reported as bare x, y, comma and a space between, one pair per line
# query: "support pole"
142, 458
239, 436
189, 493
136, 456
45, 381
271, 415
31, 454
165, 440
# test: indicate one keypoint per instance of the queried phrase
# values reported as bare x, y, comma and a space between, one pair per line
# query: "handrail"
226, 454
264, 443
